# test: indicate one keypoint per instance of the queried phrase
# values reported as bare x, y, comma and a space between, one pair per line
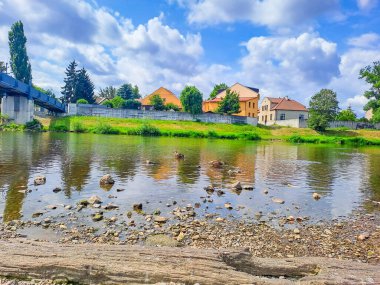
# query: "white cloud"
367, 4
270, 13
369, 40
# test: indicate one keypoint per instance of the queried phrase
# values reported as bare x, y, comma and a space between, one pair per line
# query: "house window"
282, 117
249, 104
271, 117
249, 114
262, 108
253, 105
302, 117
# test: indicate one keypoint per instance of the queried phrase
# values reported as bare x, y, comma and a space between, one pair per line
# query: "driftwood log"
113, 264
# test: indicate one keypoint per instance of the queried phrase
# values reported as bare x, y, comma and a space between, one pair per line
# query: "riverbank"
209, 130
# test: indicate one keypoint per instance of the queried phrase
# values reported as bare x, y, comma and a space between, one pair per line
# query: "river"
347, 178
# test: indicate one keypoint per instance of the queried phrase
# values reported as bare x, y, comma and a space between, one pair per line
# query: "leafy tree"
117, 102
376, 116
20, 64
132, 104
3, 67
191, 100
346, 115
371, 74
108, 104
229, 104
84, 88
157, 102
217, 89
109, 92
126, 91
68, 91
82, 101
323, 109
171, 106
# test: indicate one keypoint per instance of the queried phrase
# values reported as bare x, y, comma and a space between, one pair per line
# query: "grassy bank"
209, 130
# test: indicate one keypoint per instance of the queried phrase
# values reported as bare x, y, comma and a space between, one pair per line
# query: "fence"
103, 111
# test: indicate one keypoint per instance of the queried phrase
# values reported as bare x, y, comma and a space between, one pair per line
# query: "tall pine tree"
69, 90
84, 87
20, 64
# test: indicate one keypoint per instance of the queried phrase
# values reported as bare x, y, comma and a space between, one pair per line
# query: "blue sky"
283, 47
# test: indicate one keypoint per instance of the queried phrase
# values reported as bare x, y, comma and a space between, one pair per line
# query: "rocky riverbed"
355, 238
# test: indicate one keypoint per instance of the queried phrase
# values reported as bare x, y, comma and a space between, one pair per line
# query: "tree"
68, 91
229, 104
371, 74
117, 102
346, 115
126, 91
157, 102
19, 61
84, 88
82, 101
109, 92
171, 106
376, 116
132, 104
217, 89
3, 67
323, 109
191, 100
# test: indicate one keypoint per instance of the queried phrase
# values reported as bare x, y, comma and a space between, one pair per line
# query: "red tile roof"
241, 99
287, 104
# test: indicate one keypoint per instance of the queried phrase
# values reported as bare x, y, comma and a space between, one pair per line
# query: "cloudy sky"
282, 47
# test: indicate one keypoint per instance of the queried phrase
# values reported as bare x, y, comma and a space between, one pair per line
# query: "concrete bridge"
18, 100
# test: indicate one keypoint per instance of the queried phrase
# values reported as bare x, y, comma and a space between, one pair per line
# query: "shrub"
60, 125
171, 106
108, 104
82, 101
149, 130
103, 128
34, 125
131, 104
78, 127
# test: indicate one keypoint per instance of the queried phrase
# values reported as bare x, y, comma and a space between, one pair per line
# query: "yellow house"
165, 94
248, 100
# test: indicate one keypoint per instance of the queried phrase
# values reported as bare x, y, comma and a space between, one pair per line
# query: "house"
274, 110
165, 94
248, 100
100, 100
369, 114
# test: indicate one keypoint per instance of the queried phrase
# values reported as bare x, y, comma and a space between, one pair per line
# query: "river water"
347, 178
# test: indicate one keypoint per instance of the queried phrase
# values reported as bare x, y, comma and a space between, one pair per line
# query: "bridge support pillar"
18, 108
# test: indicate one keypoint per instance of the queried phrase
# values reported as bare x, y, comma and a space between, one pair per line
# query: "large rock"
237, 186
107, 180
217, 163
39, 180
95, 200
160, 219
278, 201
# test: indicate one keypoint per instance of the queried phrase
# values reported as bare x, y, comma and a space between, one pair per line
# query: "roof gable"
164, 93
241, 90
288, 105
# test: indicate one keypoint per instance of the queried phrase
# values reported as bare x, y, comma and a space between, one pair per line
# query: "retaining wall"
103, 111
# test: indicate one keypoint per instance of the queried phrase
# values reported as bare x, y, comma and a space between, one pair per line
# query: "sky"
283, 47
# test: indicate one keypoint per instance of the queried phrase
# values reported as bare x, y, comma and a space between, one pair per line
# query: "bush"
108, 104
34, 125
149, 130
82, 101
60, 125
78, 127
131, 104
171, 106
103, 128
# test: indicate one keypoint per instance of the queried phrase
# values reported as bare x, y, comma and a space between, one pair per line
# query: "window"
282, 117
253, 105
271, 117
302, 117
262, 108
249, 114
249, 104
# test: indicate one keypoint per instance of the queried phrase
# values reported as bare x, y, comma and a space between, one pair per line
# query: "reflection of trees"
372, 176
76, 161
15, 198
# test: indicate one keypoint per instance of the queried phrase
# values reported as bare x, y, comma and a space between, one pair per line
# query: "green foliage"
82, 101
34, 125
78, 85
12, 127
117, 102
148, 130
323, 109
126, 91
78, 127
346, 115
157, 102
376, 116
19, 60
4, 119
59, 126
171, 106
191, 100
108, 104
358, 141
109, 92
371, 74
217, 89
132, 104
104, 128
229, 104
3, 67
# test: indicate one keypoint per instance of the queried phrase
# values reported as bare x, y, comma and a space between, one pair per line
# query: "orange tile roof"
241, 99
164, 94
288, 104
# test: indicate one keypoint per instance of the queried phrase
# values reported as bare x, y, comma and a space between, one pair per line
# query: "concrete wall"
354, 125
103, 111
294, 123
18, 108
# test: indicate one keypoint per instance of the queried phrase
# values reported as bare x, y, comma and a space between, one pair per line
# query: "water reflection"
344, 176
